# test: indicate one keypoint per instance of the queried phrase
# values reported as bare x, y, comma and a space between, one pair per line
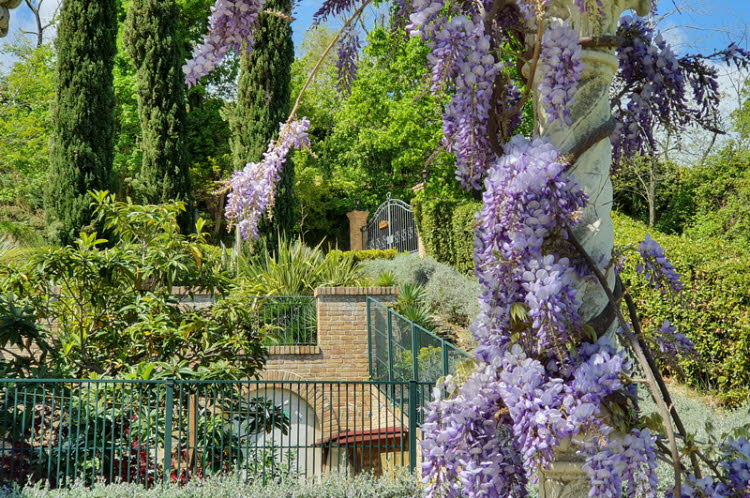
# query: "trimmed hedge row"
365, 255
713, 310
447, 230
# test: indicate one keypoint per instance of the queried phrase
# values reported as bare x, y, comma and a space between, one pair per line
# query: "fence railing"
290, 320
400, 350
60, 432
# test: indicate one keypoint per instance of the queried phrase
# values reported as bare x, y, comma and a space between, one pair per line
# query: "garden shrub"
713, 310
107, 307
464, 219
365, 255
291, 268
446, 227
435, 228
395, 485
447, 293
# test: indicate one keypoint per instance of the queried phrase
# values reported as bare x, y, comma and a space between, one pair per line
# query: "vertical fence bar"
412, 425
168, 430
446, 365
414, 352
369, 336
390, 344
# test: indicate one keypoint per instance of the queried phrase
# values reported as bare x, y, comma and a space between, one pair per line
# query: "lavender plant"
546, 379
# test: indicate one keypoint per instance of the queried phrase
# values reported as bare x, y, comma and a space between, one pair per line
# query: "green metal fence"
291, 320
400, 350
60, 432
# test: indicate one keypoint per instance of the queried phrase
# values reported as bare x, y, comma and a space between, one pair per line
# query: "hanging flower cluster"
460, 62
253, 190
231, 27
346, 63
561, 69
656, 89
656, 267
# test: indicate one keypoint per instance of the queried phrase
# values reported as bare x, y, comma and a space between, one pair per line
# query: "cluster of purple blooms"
656, 268
539, 393
561, 67
231, 28
655, 88
671, 345
461, 62
734, 480
346, 63
253, 189
627, 463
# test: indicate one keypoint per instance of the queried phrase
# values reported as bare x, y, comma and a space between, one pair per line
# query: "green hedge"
713, 310
365, 255
447, 230
464, 220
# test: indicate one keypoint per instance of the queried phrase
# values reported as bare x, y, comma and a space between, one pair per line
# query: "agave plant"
292, 268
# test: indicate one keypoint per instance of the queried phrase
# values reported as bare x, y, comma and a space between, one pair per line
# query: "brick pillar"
357, 221
342, 328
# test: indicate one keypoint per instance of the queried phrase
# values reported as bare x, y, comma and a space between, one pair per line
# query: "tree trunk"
590, 114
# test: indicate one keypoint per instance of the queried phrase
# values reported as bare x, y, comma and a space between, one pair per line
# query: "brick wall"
342, 351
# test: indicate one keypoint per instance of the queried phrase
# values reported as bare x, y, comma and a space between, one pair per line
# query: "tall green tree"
152, 39
263, 98
81, 152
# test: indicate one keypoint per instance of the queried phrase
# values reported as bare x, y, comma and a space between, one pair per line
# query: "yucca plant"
292, 268
386, 279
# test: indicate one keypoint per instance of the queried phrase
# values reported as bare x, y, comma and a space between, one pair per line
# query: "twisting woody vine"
543, 377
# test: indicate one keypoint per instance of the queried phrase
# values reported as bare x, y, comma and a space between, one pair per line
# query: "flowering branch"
640, 356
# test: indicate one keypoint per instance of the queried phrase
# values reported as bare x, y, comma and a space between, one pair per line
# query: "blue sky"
709, 24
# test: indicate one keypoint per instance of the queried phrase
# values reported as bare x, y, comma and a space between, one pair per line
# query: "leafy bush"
713, 310
396, 485
436, 226
447, 293
464, 219
365, 255
106, 307
446, 227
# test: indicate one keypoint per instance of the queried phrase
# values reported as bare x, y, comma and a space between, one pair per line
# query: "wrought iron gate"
391, 227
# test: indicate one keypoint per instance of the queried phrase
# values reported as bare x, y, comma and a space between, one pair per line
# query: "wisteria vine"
544, 380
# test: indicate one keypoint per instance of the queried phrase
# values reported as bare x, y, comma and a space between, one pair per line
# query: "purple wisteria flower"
671, 344
346, 63
231, 27
253, 190
623, 465
560, 67
655, 266
734, 481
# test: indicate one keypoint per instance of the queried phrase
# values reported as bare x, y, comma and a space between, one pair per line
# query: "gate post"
357, 221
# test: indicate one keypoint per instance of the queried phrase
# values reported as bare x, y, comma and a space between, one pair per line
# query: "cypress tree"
153, 42
81, 150
263, 98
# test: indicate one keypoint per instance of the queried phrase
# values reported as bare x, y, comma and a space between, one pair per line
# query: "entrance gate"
391, 227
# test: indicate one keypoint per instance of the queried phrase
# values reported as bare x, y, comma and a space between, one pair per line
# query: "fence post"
168, 430
414, 351
446, 365
412, 425
368, 304
390, 345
